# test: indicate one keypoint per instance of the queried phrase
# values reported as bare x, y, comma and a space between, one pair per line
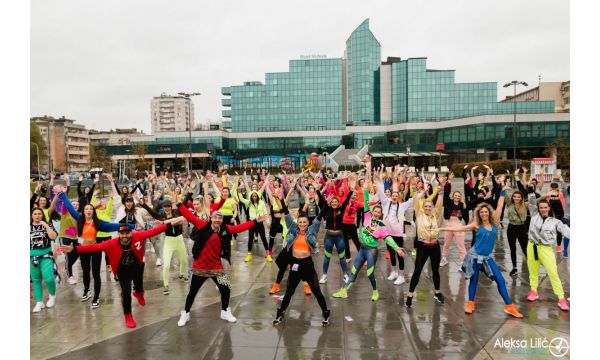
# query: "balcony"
226, 102
78, 152
225, 91
226, 113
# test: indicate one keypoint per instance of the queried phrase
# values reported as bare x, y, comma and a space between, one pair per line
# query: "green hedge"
499, 166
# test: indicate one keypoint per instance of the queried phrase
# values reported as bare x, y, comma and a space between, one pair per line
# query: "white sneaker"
185, 317
227, 315
444, 261
323, 279
393, 275
346, 278
72, 280
400, 280
38, 307
51, 301
158, 262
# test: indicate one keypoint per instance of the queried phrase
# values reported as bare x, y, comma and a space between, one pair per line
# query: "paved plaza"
360, 328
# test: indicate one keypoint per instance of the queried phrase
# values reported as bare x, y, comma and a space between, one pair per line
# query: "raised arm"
190, 217
74, 213
149, 233
500, 205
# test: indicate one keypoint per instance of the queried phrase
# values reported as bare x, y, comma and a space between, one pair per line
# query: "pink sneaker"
72, 280
532, 296
563, 305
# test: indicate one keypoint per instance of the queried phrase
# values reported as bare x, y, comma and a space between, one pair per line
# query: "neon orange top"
89, 231
300, 244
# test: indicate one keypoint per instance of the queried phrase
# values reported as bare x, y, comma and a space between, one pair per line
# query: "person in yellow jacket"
256, 209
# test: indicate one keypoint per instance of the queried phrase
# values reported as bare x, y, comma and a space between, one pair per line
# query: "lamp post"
514, 83
37, 151
188, 97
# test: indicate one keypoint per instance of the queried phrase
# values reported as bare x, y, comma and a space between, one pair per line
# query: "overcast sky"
101, 62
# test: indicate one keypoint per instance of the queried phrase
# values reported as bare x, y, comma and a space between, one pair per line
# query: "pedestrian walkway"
360, 328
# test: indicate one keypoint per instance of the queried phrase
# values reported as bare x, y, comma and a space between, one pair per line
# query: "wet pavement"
360, 328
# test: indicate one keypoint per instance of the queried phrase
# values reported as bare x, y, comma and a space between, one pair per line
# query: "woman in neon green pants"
42, 265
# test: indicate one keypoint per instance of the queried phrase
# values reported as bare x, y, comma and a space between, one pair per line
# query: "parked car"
36, 177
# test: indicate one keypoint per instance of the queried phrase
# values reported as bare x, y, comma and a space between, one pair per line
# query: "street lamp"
188, 97
514, 83
37, 151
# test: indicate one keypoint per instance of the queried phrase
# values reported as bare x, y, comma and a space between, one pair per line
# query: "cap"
167, 202
124, 228
216, 213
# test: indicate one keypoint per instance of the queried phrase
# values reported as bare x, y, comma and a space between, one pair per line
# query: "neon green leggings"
44, 270
174, 244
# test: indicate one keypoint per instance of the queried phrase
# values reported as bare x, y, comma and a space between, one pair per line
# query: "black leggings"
350, 233
196, 283
96, 260
514, 233
423, 253
102, 239
302, 270
276, 228
71, 256
399, 240
227, 221
259, 229
126, 275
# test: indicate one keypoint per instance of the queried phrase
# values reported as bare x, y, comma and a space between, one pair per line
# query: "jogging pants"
126, 276
174, 244
498, 278
222, 282
259, 229
546, 257
45, 271
370, 256
425, 252
303, 270
459, 238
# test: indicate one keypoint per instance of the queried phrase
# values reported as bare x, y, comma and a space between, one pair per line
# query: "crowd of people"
198, 215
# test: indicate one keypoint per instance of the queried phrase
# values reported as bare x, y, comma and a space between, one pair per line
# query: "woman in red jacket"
125, 254
212, 241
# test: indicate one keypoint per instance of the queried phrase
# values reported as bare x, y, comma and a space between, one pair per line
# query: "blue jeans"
370, 256
566, 221
338, 241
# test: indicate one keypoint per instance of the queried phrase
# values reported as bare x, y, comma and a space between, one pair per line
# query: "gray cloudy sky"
101, 62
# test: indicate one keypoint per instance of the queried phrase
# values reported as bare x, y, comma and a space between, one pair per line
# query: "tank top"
300, 243
485, 240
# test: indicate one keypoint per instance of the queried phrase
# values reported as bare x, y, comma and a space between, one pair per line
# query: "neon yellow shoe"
375, 295
248, 257
269, 258
341, 294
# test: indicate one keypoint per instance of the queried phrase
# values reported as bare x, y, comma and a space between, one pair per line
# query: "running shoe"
228, 316
129, 321
86, 295
158, 262
400, 280
326, 315
38, 307
166, 290
140, 297
274, 289
393, 275
323, 279
51, 301
184, 318
95, 304
341, 294
559, 249
278, 317
307, 290
532, 296
183, 278
375, 295
513, 272
444, 261
413, 253
409, 300
387, 254
72, 280
439, 298
563, 304
248, 257
108, 269
512, 310
470, 307
269, 258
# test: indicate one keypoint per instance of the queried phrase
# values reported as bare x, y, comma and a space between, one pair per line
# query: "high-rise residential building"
67, 144
559, 92
171, 113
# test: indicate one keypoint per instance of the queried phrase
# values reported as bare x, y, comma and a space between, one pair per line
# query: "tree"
141, 163
99, 158
563, 152
35, 136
